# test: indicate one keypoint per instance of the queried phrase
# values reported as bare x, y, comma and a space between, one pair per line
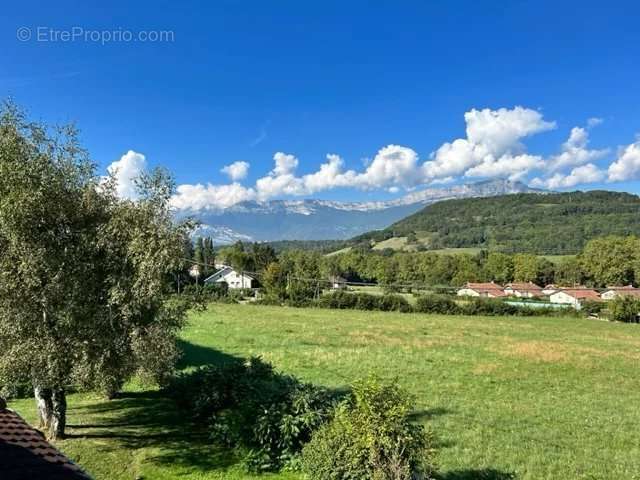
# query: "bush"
248, 405
370, 437
338, 299
394, 303
269, 299
436, 304
625, 308
364, 301
592, 308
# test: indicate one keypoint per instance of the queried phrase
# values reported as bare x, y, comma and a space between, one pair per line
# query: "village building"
550, 289
523, 289
574, 296
232, 278
337, 282
614, 292
489, 290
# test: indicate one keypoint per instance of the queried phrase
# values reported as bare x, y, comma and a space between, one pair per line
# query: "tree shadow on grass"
482, 474
150, 420
428, 414
153, 420
198, 356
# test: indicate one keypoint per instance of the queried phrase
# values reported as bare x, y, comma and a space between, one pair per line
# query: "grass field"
534, 398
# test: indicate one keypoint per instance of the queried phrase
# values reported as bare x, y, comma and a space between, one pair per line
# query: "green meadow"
522, 398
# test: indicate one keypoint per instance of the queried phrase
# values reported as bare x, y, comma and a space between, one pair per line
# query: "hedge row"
439, 304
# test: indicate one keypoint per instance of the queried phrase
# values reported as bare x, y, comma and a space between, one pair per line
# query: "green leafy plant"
248, 405
625, 308
370, 437
436, 304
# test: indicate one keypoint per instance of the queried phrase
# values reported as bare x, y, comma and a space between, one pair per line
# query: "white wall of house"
565, 299
235, 279
467, 292
518, 293
609, 295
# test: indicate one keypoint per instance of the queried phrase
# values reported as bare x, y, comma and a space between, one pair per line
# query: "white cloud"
281, 180
627, 165
201, 197
393, 165
501, 130
581, 175
236, 171
513, 167
492, 147
285, 164
575, 152
329, 175
126, 171
594, 122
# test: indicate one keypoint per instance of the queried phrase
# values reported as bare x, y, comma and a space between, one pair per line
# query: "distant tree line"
299, 274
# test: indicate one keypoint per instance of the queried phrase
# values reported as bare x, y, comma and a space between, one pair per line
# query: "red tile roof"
26, 455
488, 287
626, 290
524, 286
582, 293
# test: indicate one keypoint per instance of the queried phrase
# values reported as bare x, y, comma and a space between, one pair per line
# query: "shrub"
364, 301
592, 308
489, 306
436, 304
624, 308
338, 299
394, 303
248, 405
269, 299
370, 437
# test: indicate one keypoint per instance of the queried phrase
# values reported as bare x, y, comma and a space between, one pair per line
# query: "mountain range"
323, 220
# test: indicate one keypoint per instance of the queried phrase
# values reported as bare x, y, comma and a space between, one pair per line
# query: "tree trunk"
59, 414
45, 406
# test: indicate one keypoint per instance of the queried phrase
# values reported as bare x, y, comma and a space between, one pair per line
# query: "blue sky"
244, 81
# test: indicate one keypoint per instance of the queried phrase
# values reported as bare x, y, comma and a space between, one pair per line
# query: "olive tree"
84, 275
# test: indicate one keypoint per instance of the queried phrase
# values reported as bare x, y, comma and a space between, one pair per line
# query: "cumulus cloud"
501, 130
627, 165
204, 197
492, 146
285, 164
236, 171
575, 152
513, 167
126, 171
393, 165
583, 174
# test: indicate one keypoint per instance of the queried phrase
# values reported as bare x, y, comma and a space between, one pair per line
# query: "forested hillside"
554, 223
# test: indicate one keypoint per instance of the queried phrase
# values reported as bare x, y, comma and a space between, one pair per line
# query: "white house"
337, 282
550, 289
490, 290
232, 278
613, 292
574, 296
523, 289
